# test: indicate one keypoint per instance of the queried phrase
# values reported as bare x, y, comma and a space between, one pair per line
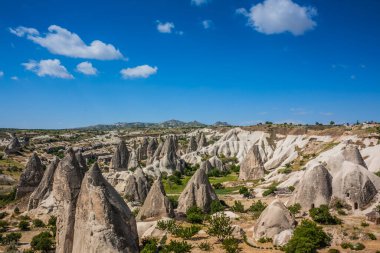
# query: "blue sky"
241, 61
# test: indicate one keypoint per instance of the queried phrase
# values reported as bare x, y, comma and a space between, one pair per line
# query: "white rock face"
198, 192
314, 189
283, 238
273, 220
103, 222
371, 157
252, 166
216, 163
353, 185
66, 187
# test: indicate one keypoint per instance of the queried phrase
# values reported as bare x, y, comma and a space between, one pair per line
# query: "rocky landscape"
190, 187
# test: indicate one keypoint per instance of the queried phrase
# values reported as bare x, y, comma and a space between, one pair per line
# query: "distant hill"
166, 124
221, 123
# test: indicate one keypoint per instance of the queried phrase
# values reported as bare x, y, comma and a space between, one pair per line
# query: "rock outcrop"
120, 158
152, 146
103, 222
143, 151
81, 161
273, 220
157, 204
353, 185
217, 163
206, 166
66, 187
314, 189
169, 161
349, 153
142, 184
198, 192
31, 177
202, 142
252, 167
45, 187
193, 146
133, 161
13, 147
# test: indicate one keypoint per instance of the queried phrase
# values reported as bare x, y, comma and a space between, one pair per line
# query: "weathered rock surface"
193, 146
142, 184
206, 166
133, 161
273, 220
151, 149
157, 204
198, 192
314, 189
283, 237
31, 177
353, 185
202, 142
7, 180
13, 147
120, 157
45, 187
103, 222
66, 187
217, 163
252, 167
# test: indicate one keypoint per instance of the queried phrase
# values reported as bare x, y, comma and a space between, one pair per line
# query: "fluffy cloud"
48, 67
279, 16
61, 41
207, 24
22, 30
199, 2
142, 71
86, 68
15, 78
1, 74
167, 27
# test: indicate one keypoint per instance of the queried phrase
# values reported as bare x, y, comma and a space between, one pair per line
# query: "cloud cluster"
1, 74
50, 67
279, 16
166, 27
143, 71
86, 68
61, 41
199, 2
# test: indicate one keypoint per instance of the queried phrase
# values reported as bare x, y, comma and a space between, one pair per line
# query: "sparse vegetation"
238, 207
195, 215
322, 215
257, 208
295, 208
43, 242
220, 226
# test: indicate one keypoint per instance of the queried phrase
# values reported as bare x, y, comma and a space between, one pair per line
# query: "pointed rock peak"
352, 154
252, 166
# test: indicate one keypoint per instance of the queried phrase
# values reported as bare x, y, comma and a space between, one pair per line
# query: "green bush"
150, 245
52, 223
173, 201
353, 246
364, 224
295, 208
257, 208
16, 210
264, 240
307, 237
3, 225
175, 179
271, 189
322, 215
24, 225
371, 236
37, 223
168, 225
286, 170
11, 238
245, 192
3, 215
218, 186
235, 168
291, 188
195, 215
216, 206
177, 247
43, 241
238, 207
205, 246
220, 226
231, 245
186, 232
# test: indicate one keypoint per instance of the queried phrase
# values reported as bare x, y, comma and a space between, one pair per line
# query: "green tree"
220, 226
322, 215
195, 215
43, 242
295, 208
23, 225
307, 238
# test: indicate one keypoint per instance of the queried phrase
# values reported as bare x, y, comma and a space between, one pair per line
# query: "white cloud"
167, 27
199, 2
207, 24
22, 30
1, 73
279, 16
86, 68
15, 78
61, 41
48, 67
142, 71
